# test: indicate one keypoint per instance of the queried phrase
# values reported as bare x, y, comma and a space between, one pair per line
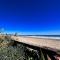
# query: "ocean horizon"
45, 36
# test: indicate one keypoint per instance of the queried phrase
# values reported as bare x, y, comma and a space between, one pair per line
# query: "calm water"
44, 36
48, 36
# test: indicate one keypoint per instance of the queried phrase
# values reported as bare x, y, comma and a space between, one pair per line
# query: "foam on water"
45, 37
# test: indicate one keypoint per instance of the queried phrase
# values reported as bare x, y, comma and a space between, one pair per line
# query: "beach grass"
13, 50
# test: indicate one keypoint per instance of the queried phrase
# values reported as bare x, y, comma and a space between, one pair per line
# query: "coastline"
39, 42
44, 37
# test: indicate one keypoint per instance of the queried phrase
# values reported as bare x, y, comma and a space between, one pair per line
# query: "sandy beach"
39, 42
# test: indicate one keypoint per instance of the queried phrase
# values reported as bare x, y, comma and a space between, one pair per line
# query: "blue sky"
30, 16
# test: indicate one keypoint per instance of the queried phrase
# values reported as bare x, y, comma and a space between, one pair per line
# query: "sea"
45, 36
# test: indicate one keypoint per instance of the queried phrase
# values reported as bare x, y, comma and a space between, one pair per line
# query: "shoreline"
39, 42
44, 37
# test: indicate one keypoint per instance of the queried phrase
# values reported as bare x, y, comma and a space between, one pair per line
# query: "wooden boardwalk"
39, 42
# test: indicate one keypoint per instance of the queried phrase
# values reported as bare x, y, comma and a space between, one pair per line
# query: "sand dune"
40, 42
